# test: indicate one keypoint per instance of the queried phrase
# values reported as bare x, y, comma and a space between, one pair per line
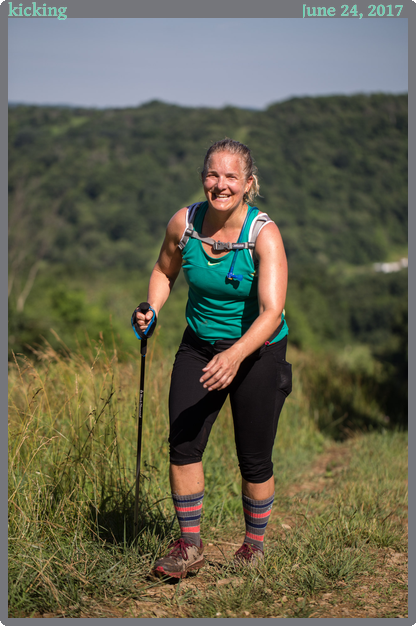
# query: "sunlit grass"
72, 457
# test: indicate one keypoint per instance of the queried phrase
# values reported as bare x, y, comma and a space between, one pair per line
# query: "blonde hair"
249, 169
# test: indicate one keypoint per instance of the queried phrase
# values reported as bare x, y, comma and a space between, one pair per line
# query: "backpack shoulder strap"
256, 226
190, 218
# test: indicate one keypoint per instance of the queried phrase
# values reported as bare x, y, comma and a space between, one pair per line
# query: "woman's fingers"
216, 381
211, 371
143, 319
219, 372
222, 384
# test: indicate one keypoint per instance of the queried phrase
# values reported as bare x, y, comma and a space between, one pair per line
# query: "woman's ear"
249, 183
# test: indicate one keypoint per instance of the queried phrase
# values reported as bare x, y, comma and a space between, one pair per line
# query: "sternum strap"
219, 246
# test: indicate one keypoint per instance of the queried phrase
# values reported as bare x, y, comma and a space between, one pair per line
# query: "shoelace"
179, 549
247, 551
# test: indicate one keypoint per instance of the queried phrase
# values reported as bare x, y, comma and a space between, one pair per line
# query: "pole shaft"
139, 433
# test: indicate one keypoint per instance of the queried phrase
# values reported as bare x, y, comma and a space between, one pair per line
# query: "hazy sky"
213, 62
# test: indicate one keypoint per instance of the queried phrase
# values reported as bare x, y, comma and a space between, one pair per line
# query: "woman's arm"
272, 287
166, 269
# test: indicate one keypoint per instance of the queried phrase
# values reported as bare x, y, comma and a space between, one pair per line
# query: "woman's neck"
225, 221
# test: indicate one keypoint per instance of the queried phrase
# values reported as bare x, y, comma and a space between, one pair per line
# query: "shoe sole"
159, 572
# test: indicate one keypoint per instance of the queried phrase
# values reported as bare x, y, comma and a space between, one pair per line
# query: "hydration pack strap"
190, 215
218, 245
231, 275
257, 224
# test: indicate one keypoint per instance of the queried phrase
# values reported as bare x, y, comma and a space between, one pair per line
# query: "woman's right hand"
143, 319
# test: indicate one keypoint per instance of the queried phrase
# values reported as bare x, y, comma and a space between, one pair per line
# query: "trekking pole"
144, 307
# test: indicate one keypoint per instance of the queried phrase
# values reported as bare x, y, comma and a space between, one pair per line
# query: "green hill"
96, 188
91, 192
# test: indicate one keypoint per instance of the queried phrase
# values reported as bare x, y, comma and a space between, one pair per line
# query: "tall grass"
72, 457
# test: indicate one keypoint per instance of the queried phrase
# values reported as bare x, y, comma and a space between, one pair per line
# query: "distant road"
387, 268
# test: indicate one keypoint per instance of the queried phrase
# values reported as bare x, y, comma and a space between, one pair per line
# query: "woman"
235, 344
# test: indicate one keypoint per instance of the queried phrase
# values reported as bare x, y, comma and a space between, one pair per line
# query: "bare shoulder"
177, 225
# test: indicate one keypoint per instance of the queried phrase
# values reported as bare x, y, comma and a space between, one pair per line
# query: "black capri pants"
257, 395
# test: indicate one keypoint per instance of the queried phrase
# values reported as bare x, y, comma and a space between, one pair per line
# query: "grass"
72, 455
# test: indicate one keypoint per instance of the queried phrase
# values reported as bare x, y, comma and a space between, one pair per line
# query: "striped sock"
256, 515
188, 510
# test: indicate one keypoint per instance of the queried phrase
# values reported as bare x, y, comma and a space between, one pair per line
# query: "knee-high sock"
256, 515
188, 510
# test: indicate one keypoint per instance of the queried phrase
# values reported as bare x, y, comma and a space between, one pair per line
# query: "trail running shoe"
182, 558
248, 554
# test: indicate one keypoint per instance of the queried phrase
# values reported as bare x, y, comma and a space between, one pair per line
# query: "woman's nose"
221, 182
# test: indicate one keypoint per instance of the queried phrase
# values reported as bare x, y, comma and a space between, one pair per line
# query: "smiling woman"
234, 344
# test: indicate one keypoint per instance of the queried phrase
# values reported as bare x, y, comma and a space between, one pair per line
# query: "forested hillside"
91, 192
96, 188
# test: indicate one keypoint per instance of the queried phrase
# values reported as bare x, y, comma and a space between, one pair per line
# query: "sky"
249, 63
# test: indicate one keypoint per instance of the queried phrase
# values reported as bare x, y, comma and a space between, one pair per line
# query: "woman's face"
225, 183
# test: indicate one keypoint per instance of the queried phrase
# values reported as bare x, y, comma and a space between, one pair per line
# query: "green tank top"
218, 307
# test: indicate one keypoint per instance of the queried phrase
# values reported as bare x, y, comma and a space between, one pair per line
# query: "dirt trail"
312, 481
366, 596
